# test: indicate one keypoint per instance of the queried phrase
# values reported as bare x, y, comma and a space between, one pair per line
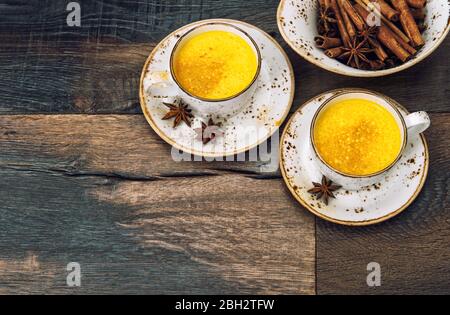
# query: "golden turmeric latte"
357, 137
215, 65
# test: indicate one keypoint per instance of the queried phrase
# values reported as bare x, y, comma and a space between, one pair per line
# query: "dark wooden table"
85, 179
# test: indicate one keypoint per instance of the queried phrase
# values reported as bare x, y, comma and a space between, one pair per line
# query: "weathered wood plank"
101, 190
78, 188
412, 249
77, 77
47, 66
111, 145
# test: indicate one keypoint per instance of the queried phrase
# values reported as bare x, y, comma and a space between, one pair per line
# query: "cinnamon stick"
324, 3
347, 22
395, 29
393, 45
404, 44
340, 22
334, 52
387, 10
401, 38
354, 16
418, 4
378, 49
360, 25
408, 23
325, 42
385, 36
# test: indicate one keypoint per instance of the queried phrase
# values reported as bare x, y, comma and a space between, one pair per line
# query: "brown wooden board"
102, 191
48, 67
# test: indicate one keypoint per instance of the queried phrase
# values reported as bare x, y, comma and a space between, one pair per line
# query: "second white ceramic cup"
410, 126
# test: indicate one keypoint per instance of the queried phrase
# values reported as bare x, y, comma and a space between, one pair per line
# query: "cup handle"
417, 123
164, 90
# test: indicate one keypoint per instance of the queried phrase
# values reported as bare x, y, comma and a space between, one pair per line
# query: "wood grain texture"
47, 66
110, 145
102, 191
412, 248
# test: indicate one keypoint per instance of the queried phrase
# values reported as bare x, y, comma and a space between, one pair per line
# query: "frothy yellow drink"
215, 65
357, 137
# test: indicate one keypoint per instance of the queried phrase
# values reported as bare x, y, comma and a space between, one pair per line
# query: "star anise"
326, 20
369, 32
324, 190
207, 132
180, 111
356, 53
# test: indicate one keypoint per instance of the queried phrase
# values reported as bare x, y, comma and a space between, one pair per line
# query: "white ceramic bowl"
297, 21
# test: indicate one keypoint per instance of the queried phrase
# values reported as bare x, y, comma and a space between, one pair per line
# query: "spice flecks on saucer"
180, 112
324, 190
359, 210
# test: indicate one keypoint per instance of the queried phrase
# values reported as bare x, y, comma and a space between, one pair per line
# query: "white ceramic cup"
173, 90
409, 126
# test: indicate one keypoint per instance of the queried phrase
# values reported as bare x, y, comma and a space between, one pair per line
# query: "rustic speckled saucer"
240, 132
366, 206
297, 24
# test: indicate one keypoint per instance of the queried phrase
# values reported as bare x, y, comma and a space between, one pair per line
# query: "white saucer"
241, 132
370, 205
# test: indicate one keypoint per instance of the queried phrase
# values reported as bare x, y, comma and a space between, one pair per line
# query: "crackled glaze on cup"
218, 107
410, 125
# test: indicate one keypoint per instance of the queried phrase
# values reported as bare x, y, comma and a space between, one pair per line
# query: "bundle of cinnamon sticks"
371, 34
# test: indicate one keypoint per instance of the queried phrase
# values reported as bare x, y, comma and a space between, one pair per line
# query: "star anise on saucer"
207, 132
355, 53
324, 190
326, 20
180, 112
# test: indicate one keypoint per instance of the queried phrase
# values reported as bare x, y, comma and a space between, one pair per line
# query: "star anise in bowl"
355, 53
326, 21
368, 33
